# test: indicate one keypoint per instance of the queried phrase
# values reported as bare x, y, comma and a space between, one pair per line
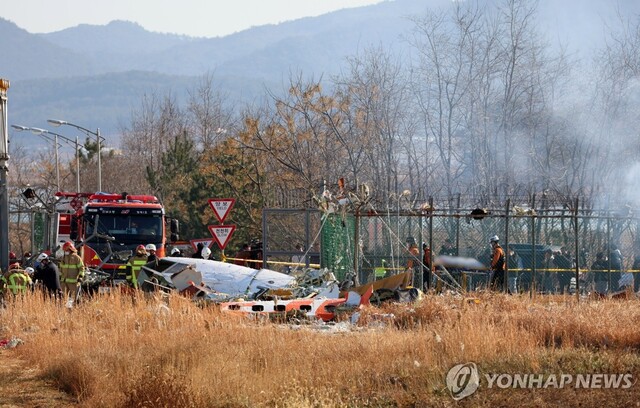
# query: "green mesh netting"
337, 244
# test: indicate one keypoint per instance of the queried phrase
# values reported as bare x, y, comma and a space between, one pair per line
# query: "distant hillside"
25, 55
95, 75
117, 37
104, 101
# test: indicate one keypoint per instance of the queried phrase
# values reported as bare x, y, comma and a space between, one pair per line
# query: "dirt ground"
22, 386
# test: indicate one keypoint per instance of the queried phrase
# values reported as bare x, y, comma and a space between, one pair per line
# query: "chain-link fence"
550, 251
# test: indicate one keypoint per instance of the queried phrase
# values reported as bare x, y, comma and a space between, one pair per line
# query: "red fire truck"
108, 227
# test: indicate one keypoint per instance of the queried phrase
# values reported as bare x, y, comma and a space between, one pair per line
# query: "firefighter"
16, 281
151, 250
71, 270
48, 274
135, 264
497, 264
206, 253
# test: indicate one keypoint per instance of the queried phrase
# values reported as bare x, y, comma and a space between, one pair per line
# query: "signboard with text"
221, 234
221, 207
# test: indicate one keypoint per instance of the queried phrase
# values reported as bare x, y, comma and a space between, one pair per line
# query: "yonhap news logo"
464, 379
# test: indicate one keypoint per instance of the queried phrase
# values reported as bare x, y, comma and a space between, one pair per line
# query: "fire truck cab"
109, 227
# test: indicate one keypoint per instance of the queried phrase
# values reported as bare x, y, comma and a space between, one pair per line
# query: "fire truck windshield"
125, 228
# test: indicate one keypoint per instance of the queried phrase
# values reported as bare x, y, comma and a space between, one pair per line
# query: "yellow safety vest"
135, 265
18, 282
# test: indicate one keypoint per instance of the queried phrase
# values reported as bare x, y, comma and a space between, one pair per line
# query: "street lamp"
4, 171
75, 143
56, 122
55, 142
79, 148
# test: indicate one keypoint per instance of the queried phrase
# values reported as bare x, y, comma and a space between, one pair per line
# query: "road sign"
205, 241
221, 207
221, 233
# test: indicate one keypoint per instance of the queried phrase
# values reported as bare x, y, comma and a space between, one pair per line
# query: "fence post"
457, 215
577, 251
608, 252
533, 285
431, 275
356, 249
505, 284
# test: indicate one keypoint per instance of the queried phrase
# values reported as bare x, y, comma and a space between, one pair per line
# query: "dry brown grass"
112, 351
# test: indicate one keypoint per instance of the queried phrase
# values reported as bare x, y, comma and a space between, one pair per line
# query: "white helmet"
206, 252
150, 247
42, 257
175, 251
29, 270
494, 239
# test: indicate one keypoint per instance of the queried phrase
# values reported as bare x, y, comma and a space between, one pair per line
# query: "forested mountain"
47, 67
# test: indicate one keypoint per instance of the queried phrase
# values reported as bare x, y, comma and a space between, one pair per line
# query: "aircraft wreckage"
239, 289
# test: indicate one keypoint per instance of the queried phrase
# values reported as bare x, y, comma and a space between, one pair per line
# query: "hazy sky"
200, 18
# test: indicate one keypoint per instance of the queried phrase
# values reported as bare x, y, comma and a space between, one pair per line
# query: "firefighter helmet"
151, 247
14, 265
175, 251
42, 257
68, 246
140, 248
206, 252
12, 255
29, 270
494, 239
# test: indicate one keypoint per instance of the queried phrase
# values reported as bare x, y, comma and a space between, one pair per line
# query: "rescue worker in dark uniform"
426, 270
151, 250
497, 264
413, 263
49, 275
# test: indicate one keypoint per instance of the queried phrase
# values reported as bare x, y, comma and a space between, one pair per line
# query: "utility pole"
4, 171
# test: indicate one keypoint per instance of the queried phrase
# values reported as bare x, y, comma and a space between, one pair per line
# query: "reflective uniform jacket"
71, 268
16, 281
134, 266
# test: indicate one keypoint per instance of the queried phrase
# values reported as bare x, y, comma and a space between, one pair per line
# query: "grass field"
115, 351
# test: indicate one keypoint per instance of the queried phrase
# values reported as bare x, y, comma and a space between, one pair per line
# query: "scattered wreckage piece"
322, 308
216, 282
215, 277
385, 289
396, 287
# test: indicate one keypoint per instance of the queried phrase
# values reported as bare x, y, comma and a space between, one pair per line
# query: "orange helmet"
68, 246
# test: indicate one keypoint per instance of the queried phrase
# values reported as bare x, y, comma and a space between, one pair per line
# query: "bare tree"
158, 121
378, 103
209, 118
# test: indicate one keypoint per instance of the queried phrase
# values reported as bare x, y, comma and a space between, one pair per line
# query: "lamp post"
55, 142
56, 122
56, 139
78, 148
4, 169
